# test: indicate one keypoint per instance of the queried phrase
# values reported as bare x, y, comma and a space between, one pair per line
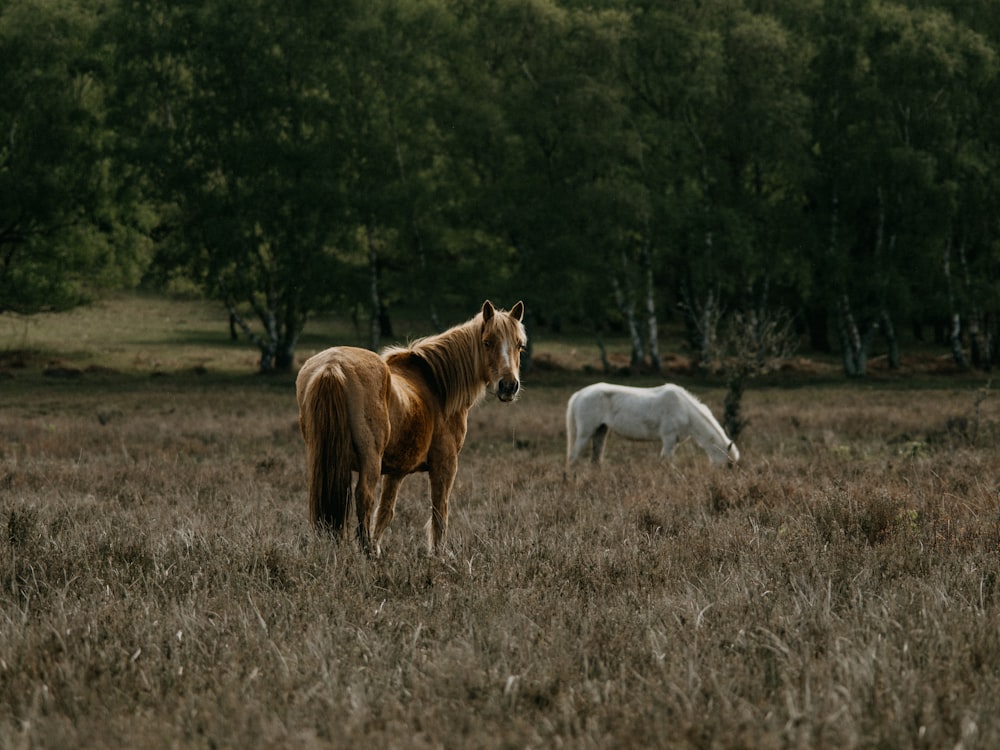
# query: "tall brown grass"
160, 585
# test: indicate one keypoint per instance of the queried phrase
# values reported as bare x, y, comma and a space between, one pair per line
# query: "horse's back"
359, 373
606, 393
354, 362
623, 409
634, 412
616, 398
618, 391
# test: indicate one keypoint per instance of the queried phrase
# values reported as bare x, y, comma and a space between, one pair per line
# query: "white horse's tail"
570, 429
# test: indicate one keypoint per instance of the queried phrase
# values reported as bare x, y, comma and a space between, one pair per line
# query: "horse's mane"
709, 421
452, 357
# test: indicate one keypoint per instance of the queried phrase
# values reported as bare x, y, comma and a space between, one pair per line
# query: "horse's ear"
488, 311
517, 311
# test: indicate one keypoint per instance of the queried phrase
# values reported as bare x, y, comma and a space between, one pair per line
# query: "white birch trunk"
626, 305
652, 328
853, 345
955, 330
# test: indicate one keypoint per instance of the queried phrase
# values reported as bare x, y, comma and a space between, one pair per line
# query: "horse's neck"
456, 369
703, 425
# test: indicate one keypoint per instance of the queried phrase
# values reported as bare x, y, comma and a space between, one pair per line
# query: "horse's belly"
635, 432
635, 424
401, 469
405, 460
409, 444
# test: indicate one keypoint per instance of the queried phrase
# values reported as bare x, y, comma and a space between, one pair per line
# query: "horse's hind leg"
386, 510
364, 501
579, 446
371, 434
600, 438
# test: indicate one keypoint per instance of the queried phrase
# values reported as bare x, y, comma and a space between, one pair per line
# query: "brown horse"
399, 413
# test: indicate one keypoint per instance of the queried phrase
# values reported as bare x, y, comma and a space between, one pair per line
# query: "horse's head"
503, 339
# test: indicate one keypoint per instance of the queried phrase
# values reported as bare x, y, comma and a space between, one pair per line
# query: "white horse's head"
711, 436
733, 453
721, 454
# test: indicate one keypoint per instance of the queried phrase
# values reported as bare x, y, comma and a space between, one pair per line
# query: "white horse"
665, 413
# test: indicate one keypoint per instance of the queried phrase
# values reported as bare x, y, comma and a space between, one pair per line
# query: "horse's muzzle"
507, 389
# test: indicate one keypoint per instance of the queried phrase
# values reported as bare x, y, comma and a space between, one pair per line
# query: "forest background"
618, 165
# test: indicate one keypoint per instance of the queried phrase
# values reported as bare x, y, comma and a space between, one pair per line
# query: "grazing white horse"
665, 413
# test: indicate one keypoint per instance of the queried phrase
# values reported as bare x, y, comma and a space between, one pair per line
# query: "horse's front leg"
442, 479
386, 510
669, 443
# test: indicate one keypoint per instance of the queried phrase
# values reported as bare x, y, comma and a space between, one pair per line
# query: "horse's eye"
486, 343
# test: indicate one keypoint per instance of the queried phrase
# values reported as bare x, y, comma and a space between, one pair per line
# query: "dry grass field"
160, 586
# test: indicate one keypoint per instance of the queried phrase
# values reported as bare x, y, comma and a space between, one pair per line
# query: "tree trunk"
277, 351
704, 319
732, 421
955, 329
853, 345
626, 305
652, 329
605, 363
284, 358
883, 319
989, 340
955, 341
977, 351
978, 347
890, 339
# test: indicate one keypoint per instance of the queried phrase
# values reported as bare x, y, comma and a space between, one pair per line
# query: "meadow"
160, 585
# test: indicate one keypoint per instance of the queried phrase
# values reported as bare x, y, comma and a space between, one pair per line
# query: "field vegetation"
160, 585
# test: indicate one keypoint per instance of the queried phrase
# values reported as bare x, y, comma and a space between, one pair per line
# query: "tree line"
617, 164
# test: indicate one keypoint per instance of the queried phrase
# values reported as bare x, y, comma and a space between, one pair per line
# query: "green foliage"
421, 153
62, 236
235, 119
896, 91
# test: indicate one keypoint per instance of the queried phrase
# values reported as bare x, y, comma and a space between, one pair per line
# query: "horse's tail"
570, 430
327, 432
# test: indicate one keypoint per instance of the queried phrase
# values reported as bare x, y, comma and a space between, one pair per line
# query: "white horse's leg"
577, 435
579, 446
669, 440
600, 438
